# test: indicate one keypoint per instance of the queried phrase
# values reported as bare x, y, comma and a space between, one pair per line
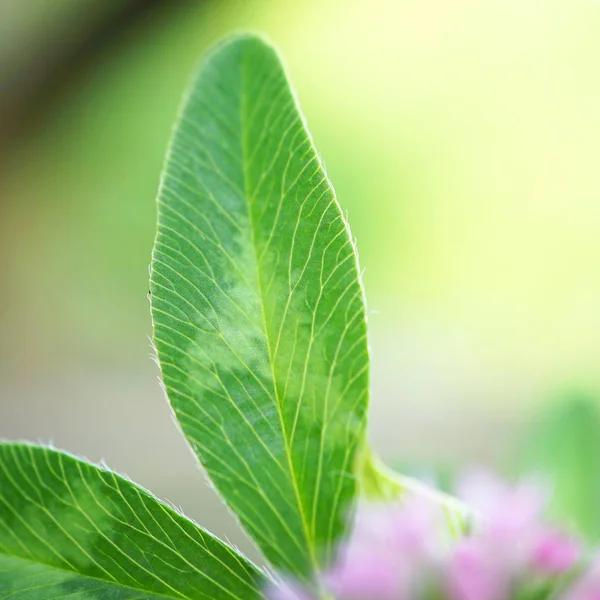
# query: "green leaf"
379, 483
259, 318
564, 447
70, 529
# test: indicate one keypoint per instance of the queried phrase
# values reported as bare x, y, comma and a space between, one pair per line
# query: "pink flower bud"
554, 552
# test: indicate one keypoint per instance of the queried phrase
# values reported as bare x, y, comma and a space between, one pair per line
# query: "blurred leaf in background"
564, 449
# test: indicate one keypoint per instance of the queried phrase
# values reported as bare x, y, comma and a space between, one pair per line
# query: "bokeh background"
463, 138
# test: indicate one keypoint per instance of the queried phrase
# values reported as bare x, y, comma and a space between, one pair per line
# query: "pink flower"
473, 574
387, 548
509, 512
586, 587
365, 573
554, 552
399, 551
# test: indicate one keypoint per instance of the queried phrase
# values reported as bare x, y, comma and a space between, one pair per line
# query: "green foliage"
260, 329
259, 319
70, 529
565, 448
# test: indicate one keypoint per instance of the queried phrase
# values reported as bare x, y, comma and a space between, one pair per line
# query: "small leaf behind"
71, 530
258, 311
564, 447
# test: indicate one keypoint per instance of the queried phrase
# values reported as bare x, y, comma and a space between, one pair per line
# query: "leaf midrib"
244, 163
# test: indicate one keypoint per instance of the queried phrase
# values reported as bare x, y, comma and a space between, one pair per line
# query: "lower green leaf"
69, 529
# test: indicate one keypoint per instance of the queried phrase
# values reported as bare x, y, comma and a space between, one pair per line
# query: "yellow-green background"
463, 137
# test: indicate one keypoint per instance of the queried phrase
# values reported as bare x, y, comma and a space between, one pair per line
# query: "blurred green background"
462, 136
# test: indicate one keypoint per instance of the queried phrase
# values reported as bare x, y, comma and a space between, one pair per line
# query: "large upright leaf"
258, 311
71, 530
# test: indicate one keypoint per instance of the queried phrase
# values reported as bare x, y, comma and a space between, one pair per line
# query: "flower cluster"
400, 552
